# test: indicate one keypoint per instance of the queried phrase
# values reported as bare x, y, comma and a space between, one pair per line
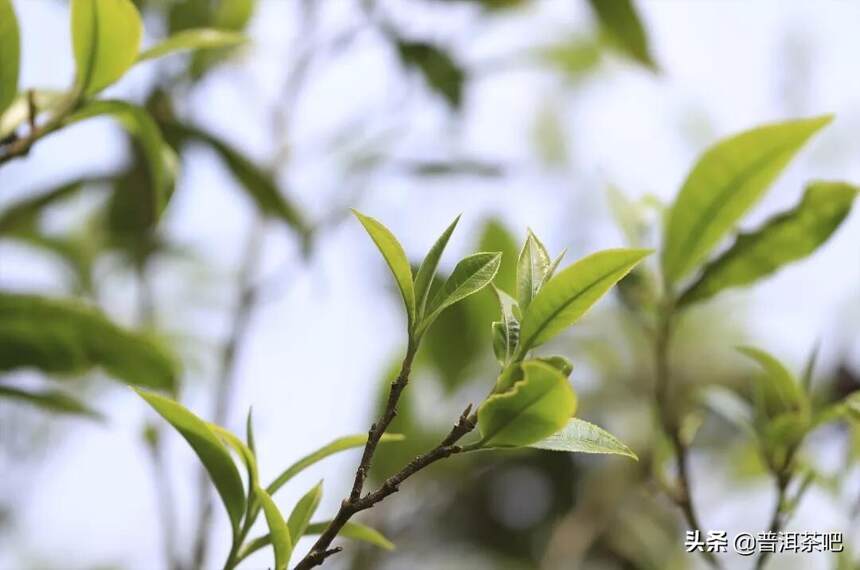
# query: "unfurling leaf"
106, 39
560, 363
472, 274
203, 38
53, 401
61, 336
728, 180
780, 392
535, 407
533, 265
394, 255
619, 20
427, 270
506, 333
10, 54
568, 295
785, 238
304, 510
209, 449
279, 532
580, 436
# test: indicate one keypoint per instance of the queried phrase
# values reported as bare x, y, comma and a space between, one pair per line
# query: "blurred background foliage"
106, 247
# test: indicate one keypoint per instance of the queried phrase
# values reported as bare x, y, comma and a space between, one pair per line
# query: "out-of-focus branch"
246, 295
669, 421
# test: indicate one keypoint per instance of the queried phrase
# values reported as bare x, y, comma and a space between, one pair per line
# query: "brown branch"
777, 518
356, 503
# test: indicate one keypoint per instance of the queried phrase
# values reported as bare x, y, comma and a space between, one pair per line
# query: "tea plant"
723, 185
531, 404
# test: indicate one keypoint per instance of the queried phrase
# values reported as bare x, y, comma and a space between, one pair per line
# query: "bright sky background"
315, 352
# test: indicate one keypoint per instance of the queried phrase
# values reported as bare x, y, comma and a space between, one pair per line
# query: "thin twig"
244, 307
355, 503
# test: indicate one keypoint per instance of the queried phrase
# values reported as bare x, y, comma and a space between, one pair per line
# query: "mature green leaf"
506, 333
63, 336
394, 255
260, 186
470, 275
535, 407
351, 530
780, 391
728, 180
568, 295
533, 265
105, 39
427, 270
336, 446
51, 400
10, 54
209, 449
202, 38
580, 436
160, 159
279, 532
304, 510
441, 72
787, 237
619, 20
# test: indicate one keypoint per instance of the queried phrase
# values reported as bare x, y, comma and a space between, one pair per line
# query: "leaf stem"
21, 147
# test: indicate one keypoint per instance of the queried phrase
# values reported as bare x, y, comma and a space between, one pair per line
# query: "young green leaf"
105, 39
427, 270
729, 178
259, 185
780, 390
506, 333
209, 449
304, 510
560, 363
394, 255
580, 436
18, 111
568, 295
553, 266
64, 336
244, 452
535, 407
533, 265
336, 446
351, 530
355, 531
202, 38
160, 159
249, 432
787, 237
279, 533
619, 20
10, 54
51, 400
472, 274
